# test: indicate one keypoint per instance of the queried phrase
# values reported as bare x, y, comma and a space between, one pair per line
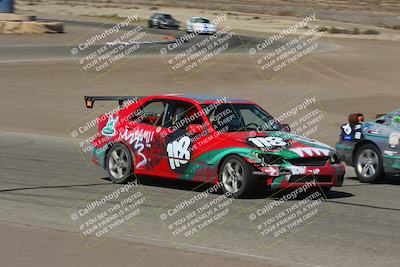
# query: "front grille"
321, 161
310, 178
273, 159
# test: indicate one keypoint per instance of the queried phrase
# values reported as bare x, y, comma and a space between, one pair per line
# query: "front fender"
216, 156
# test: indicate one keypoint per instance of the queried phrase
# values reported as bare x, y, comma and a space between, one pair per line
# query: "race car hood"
284, 143
169, 21
201, 24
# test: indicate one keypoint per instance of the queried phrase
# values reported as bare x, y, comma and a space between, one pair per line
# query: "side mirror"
194, 129
380, 118
286, 127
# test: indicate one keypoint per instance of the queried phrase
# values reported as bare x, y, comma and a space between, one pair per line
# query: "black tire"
244, 185
159, 25
368, 153
125, 163
150, 24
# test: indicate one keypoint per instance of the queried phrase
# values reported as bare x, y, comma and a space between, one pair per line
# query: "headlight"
268, 158
334, 159
259, 155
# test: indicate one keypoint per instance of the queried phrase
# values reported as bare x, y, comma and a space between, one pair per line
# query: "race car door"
387, 134
143, 133
186, 133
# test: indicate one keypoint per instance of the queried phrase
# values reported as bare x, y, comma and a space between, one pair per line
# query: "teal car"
372, 147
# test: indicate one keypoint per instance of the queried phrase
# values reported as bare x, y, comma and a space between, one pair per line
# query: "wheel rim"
118, 163
367, 163
233, 176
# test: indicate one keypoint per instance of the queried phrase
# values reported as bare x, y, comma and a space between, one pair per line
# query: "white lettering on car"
139, 138
178, 152
267, 142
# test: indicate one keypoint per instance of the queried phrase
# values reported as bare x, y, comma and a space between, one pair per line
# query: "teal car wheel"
120, 164
236, 176
368, 163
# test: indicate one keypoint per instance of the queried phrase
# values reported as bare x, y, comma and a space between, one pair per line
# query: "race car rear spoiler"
357, 118
89, 100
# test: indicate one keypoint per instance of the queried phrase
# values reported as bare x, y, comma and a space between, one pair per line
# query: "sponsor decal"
347, 129
347, 138
271, 171
390, 152
139, 139
297, 170
351, 132
109, 129
315, 171
267, 142
394, 140
376, 131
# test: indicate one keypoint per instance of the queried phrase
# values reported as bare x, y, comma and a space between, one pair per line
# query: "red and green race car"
226, 141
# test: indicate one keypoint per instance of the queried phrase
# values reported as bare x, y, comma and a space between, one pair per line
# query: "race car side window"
152, 112
182, 114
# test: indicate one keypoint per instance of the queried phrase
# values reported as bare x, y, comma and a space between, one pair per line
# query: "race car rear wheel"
120, 164
236, 176
368, 163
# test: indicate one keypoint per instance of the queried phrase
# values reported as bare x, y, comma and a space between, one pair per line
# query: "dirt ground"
66, 249
250, 17
45, 97
357, 77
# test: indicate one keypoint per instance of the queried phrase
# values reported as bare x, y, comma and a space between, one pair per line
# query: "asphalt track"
42, 177
28, 52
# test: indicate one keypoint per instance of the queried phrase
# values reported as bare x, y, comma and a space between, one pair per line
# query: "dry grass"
355, 31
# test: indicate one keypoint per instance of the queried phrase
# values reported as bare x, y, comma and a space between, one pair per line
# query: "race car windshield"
201, 20
395, 119
166, 16
240, 117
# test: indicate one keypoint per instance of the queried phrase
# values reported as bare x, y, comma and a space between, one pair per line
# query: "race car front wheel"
236, 176
368, 163
120, 164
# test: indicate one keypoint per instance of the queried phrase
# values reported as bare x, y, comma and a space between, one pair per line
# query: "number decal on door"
178, 152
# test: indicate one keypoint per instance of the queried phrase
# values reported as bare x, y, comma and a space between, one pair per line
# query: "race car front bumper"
344, 151
296, 176
391, 164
